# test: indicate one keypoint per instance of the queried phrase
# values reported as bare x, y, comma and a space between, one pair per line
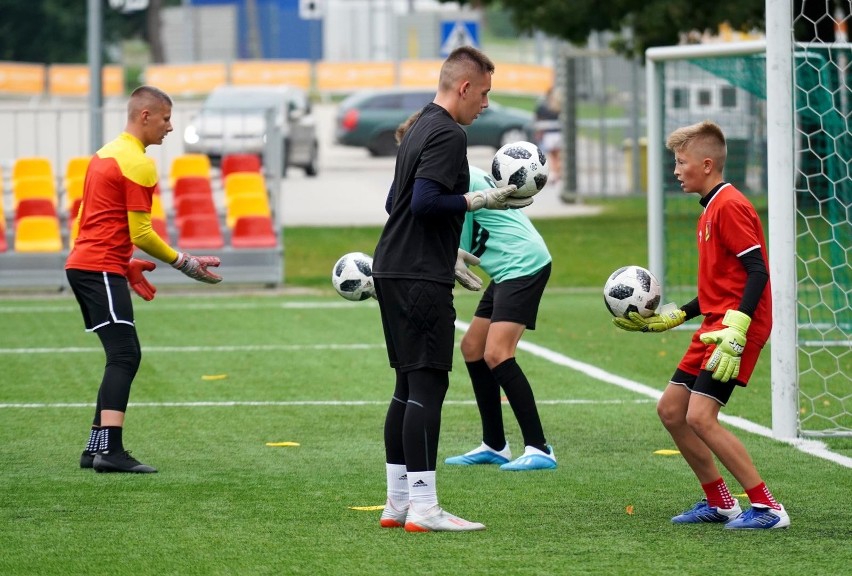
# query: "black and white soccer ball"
632, 289
352, 276
522, 164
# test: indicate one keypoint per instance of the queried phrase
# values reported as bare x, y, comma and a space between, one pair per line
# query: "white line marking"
171, 349
169, 306
265, 403
812, 447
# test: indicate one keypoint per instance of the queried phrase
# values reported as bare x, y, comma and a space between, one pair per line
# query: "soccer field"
225, 375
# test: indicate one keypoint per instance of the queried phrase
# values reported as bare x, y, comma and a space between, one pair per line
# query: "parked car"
369, 118
233, 120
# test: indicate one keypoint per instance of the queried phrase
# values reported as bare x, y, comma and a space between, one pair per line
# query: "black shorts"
705, 385
418, 319
103, 298
514, 300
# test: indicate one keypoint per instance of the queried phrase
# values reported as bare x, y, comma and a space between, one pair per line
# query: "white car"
232, 120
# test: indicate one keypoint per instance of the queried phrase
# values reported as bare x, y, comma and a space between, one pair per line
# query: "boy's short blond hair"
705, 139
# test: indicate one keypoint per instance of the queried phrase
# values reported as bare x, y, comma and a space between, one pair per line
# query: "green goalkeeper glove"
730, 343
495, 199
668, 317
464, 276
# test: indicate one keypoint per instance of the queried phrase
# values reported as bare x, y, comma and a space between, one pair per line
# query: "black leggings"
413, 421
123, 355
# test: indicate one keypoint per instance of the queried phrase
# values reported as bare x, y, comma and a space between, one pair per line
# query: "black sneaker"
120, 462
87, 459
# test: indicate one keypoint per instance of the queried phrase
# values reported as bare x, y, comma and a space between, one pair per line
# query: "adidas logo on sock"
420, 484
403, 477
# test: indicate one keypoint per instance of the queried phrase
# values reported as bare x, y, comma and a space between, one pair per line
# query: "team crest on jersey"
707, 231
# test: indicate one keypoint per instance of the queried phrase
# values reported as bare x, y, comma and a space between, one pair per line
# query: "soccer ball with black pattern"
632, 289
522, 164
352, 276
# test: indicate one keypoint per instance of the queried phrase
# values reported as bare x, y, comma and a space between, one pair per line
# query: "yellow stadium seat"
246, 205
38, 234
189, 165
77, 167
32, 166
73, 190
33, 187
244, 183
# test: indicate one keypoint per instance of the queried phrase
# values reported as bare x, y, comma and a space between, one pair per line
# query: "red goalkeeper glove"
196, 267
137, 280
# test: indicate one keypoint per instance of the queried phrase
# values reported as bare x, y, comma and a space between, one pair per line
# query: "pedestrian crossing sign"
457, 33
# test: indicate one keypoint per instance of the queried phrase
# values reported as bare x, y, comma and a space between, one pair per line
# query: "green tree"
653, 22
55, 31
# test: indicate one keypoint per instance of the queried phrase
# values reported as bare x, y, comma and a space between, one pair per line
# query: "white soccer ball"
632, 289
522, 164
352, 276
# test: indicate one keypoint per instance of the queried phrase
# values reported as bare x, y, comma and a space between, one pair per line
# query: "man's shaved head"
146, 98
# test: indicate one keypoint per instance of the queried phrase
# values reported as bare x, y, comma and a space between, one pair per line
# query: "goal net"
801, 160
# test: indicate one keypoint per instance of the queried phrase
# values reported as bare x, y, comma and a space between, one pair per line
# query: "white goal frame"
778, 48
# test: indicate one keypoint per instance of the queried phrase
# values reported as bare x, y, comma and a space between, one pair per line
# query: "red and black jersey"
120, 179
728, 228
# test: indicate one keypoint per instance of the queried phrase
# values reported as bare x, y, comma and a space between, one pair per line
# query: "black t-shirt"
435, 147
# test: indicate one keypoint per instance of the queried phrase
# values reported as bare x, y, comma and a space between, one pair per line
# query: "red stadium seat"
200, 231
4, 244
194, 204
254, 232
191, 185
34, 207
161, 227
240, 163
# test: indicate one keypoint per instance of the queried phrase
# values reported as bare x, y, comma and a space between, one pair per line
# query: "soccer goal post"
784, 106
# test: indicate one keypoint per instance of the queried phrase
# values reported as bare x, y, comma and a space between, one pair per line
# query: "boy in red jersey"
735, 299
115, 218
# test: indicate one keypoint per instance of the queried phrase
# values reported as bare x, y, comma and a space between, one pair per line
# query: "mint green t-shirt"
505, 241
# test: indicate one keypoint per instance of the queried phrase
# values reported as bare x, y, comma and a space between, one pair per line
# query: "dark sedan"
369, 119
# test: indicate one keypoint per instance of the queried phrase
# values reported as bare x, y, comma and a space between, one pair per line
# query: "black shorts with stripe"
104, 298
514, 300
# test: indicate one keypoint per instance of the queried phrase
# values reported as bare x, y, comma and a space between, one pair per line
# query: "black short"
705, 385
418, 319
514, 300
103, 298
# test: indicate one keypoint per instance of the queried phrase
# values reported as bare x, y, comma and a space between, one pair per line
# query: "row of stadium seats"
37, 223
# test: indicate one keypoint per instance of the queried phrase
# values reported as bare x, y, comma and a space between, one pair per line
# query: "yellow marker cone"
214, 376
666, 452
367, 508
282, 444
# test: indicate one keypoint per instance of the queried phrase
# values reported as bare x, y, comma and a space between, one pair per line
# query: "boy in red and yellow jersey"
735, 299
114, 219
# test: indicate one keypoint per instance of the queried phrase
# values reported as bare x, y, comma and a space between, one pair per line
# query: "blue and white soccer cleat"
702, 512
760, 518
483, 454
532, 459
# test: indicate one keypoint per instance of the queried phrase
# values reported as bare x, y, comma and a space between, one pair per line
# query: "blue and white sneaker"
760, 518
532, 459
483, 454
701, 512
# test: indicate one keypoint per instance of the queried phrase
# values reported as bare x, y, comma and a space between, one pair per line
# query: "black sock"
487, 393
111, 439
511, 378
94, 438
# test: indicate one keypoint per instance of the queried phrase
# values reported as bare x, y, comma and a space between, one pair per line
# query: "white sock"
397, 479
421, 490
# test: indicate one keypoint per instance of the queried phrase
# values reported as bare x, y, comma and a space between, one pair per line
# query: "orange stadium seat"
240, 163
38, 234
254, 232
200, 231
189, 165
76, 167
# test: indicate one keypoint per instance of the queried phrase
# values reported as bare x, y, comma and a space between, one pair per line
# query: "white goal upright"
785, 108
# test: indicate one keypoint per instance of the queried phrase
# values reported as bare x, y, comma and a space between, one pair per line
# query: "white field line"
285, 403
812, 447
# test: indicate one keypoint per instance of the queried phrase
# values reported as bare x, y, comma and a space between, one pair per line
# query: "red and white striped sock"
761, 496
718, 494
